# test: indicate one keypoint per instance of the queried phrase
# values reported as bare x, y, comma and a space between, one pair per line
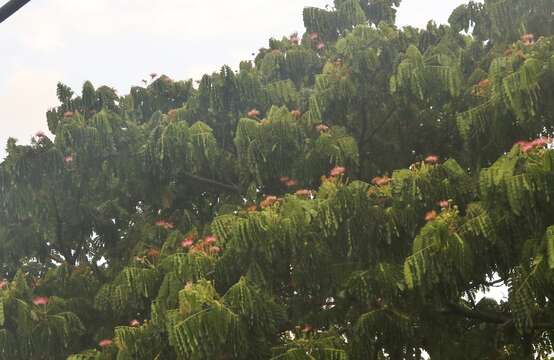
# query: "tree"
347, 195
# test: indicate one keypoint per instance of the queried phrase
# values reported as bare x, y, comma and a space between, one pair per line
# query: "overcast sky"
119, 42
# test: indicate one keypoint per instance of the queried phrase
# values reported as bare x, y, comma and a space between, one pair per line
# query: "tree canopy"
349, 194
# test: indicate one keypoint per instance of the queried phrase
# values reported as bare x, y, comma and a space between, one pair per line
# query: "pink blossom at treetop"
381, 180
444, 204
105, 343
254, 113
210, 239
291, 183
337, 170
322, 128
432, 159
525, 146
187, 242
305, 193
41, 300
165, 224
430, 215
268, 201
134, 323
320, 46
68, 159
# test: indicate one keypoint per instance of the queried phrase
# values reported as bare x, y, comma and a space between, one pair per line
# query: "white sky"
119, 42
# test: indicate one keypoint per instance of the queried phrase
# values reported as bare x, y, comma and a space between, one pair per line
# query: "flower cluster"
381, 180
322, 128
207, 245
526, 146
431, 215
269, 201
41, 300
104, 343
432, 159
285, 180
254, 113
304, 193
296, 113
337, 171
165, 224
68, 159
172, 113
528, 39
188, 242
153, 253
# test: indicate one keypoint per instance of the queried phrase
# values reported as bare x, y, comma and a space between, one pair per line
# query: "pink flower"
305, 193
104, 343
153, 253
165, 224
528, 39
187, 243
254, 113
210, 239
307, 328
172, 113
430, 215
268, 201
432, 159
540, 142
322, 128
313, 35
68, 159
40, 300
337, 170
525, 146
381, 180
3, 284
444, 204
291, 183
320, 46
134, 323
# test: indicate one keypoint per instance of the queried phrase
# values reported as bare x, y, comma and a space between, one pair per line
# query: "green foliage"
306, 206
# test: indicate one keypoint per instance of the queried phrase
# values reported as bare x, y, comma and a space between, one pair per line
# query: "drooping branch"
489, 317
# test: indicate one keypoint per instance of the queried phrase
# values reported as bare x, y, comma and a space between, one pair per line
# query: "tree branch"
210, 182
490, 317
10, 8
